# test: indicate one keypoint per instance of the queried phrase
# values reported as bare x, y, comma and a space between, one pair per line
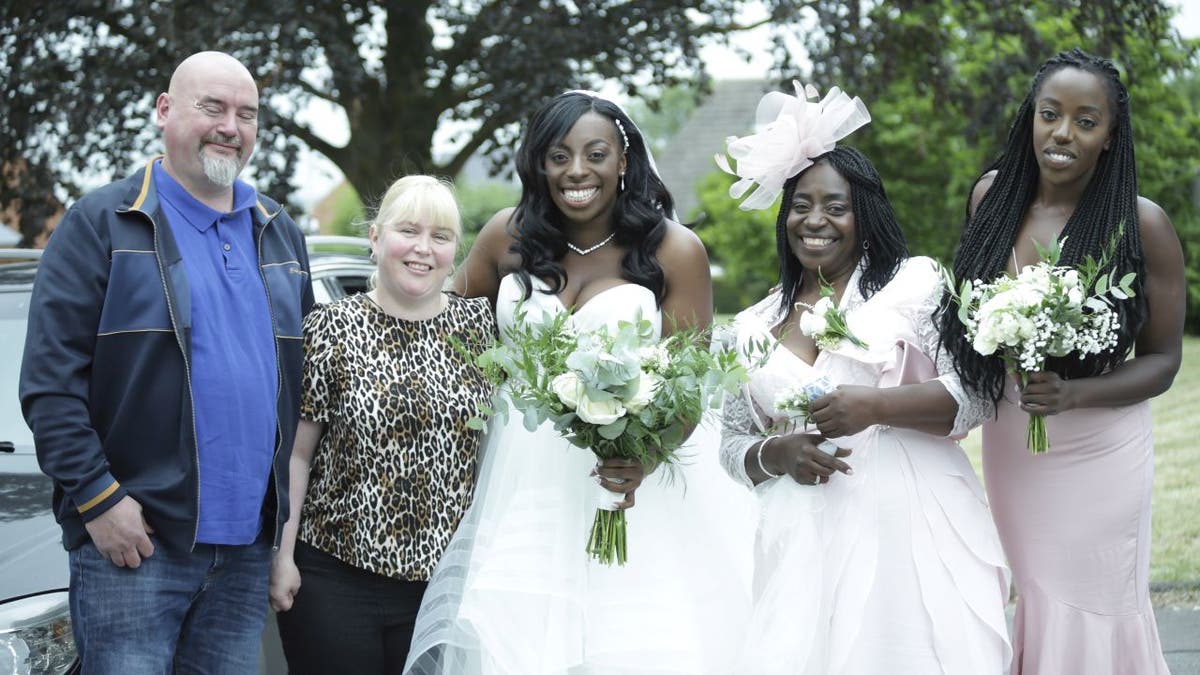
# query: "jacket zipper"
278, 384
187, 371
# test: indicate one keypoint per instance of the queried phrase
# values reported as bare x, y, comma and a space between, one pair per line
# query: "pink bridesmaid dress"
1075, 525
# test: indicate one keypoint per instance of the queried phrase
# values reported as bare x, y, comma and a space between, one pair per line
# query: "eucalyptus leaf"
614, 430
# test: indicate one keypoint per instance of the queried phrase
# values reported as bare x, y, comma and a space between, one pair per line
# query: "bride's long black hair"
639, 216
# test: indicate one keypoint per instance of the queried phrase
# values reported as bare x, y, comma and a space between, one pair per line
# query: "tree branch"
481, 136
311, 90
293, 128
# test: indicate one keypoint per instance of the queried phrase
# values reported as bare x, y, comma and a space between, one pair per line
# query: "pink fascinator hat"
792, 131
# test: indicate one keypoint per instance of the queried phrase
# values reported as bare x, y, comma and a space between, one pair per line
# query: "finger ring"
816, 480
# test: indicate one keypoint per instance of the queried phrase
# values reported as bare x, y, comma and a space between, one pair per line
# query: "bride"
515, 592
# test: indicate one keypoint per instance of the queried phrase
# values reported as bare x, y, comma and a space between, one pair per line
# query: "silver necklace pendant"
585, 251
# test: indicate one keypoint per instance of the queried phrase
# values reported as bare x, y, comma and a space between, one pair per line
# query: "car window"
321, 292
351, 284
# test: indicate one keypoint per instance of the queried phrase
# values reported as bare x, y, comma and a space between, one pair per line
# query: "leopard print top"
395, 468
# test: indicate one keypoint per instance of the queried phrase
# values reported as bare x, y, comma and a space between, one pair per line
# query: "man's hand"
121, 534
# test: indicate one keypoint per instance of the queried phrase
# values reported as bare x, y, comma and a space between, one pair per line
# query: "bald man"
161, 378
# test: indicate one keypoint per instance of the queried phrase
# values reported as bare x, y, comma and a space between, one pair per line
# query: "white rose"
984, 345
568, 388
1001, 302
1031, 298
812, 323
599, 413
647, 384
1071, 278
1026, 328
824, 306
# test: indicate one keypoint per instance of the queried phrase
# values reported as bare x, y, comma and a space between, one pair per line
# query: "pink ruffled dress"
897, 568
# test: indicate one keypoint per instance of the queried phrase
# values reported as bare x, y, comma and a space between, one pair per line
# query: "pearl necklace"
585, 251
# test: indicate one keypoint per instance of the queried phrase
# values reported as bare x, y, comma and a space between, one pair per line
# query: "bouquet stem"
607, 541
1035, 435
1036, 438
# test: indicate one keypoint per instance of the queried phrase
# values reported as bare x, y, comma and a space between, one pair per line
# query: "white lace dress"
516, 593
897, 568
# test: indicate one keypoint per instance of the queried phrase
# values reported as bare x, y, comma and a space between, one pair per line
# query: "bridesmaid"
1075, 521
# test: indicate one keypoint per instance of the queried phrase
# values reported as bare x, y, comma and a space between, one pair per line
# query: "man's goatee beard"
220, 170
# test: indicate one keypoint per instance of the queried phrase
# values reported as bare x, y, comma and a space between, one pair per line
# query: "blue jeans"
198, 612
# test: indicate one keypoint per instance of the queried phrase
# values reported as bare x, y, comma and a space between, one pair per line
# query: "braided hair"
639, 216
875, 226
1108, 203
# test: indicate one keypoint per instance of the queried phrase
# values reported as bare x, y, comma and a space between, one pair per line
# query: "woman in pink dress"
878, 555
1075, 521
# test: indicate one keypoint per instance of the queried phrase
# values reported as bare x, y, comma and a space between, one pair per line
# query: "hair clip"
624, 136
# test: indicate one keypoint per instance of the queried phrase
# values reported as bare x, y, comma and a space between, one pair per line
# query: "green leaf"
614, 430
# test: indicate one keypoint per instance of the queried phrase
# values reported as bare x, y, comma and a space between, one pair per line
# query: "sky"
318, 176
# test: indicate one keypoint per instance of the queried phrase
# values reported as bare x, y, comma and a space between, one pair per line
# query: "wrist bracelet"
761, 447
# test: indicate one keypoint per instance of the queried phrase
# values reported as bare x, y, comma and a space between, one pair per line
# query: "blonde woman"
384, 464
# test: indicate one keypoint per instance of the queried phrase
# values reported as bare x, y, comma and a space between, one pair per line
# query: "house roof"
688, 156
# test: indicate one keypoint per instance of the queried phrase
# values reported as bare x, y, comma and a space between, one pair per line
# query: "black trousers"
346, 619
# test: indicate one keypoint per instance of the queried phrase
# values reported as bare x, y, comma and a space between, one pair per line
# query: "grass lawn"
1175, 550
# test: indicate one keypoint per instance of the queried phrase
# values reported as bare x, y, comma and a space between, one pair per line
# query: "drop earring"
622, 181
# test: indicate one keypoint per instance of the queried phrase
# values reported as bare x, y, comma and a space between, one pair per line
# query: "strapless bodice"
623, 302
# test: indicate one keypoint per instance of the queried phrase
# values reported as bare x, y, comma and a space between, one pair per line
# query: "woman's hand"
285, 582
1047, 394
798, 456
847, 410
623, 476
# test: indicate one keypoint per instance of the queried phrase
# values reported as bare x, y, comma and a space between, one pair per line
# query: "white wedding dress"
517, 594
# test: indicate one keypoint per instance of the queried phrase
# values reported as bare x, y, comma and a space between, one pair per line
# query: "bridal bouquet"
619, 393
1046, 310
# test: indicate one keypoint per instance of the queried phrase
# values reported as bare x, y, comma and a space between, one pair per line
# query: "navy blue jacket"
105, 381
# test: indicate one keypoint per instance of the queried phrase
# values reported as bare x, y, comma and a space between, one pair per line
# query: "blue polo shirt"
234, 375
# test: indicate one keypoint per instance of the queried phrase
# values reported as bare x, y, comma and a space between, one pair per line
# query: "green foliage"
659, 117
1189, 234
742, 243
347, 216
1170, 180
479, 201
